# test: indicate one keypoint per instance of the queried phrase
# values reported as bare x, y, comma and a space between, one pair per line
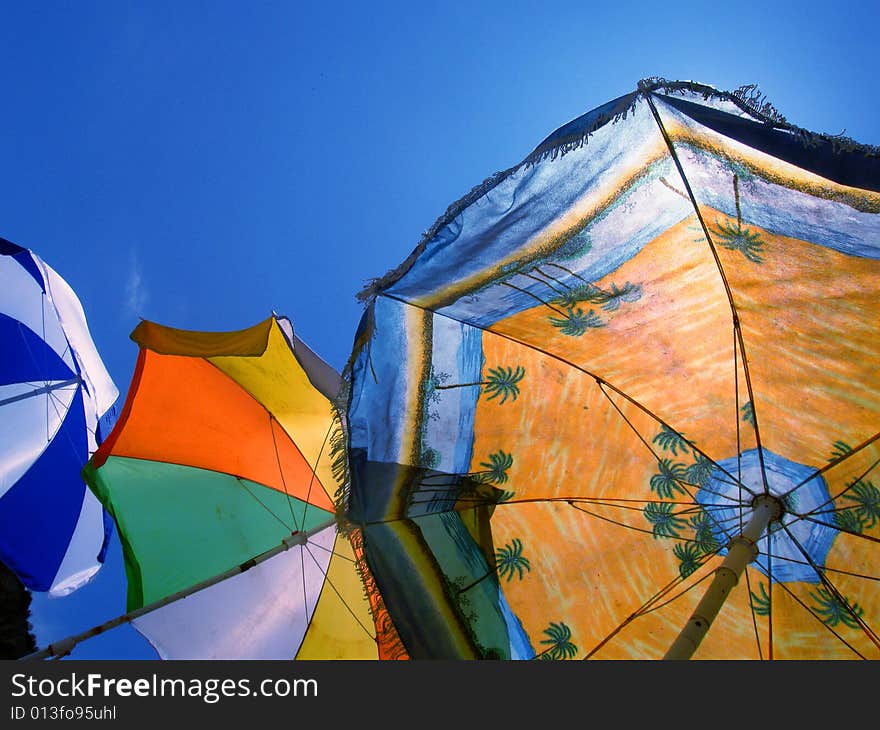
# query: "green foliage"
748, 413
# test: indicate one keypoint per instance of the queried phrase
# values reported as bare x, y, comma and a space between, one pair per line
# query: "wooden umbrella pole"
65, 646
741, 551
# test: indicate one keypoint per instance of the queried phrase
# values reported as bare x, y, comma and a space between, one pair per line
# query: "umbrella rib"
264, 505
647, 607
832, 590
327, 581
734, 314
599, 380
817, 618
641, 438
281, 474
755, 620
834, 462
632, 527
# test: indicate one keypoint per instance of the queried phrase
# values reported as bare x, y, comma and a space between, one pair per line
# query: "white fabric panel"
262, 613
27, 427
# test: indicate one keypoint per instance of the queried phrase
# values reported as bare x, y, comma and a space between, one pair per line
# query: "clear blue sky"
201, 164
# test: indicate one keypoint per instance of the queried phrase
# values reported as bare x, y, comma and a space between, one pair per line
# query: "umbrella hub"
771, 503
738, 486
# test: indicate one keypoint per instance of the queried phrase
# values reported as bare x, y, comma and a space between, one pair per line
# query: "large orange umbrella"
628, 389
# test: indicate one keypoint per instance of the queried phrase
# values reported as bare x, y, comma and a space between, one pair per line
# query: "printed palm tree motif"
867, 497
665, 522
576, 322
704, 539
848, 521
737, 238
761, 603
577, 294
834, 611
506, 495
839, 450
669, 479
748, 413
559, 639
688, 555
511, 561
700, 471
671, 440
612, 298
501, 381
497, 466
609, 300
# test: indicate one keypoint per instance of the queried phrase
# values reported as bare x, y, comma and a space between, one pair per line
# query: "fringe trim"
747, 97
750, 99
340, 466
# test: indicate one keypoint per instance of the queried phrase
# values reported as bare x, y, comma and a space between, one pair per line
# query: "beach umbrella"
622, 400
56, 403
221, 475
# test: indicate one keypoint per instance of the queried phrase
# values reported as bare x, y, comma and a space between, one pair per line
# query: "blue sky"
201, 164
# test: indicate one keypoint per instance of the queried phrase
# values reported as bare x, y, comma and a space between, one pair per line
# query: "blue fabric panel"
39, 513
25, 260
26, 357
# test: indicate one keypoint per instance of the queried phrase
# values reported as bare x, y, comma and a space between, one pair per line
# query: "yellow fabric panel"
277, 380
342, 626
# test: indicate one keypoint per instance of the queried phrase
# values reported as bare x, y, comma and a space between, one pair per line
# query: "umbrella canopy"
221, 463
627, 389
56, 402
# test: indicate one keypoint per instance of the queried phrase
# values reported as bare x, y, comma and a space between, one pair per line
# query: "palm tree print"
501, 381
834, 611
665, 522
611, 299
760, 603
839, 450
576, 322
581, 293
848, 521
867, 497
669, 479
497, 466
511, 561
748, 413
700, 471
688, 555
737, 238
704, 538
671, 440
559, 639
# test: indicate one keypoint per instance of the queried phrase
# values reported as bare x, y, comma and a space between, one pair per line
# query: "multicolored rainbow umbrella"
628, 390
220, 477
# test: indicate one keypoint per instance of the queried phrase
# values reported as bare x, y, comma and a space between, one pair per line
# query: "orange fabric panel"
186, 411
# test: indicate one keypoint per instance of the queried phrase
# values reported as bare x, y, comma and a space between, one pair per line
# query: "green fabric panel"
180, 525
